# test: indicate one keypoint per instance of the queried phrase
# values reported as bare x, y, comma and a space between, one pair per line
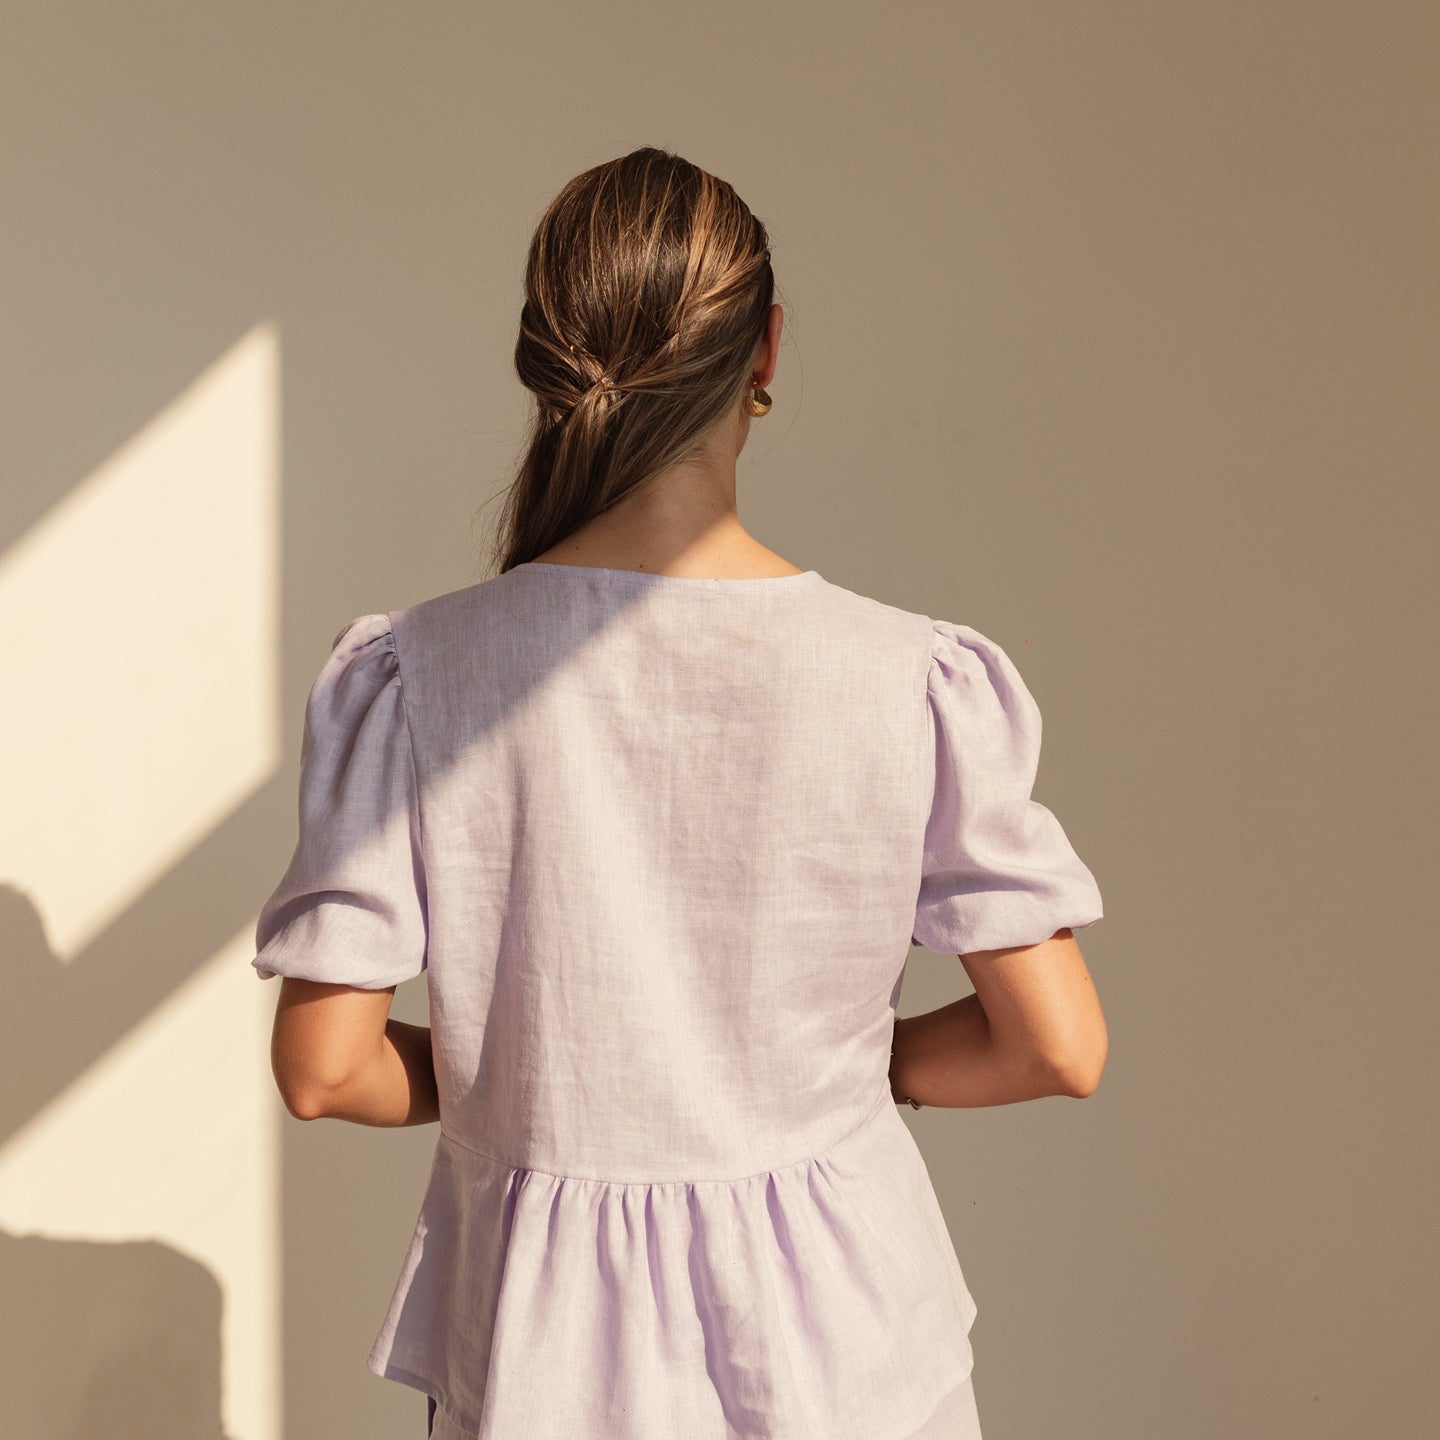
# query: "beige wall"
1111, 331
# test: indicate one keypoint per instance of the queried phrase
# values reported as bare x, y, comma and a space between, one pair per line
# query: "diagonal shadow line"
150, 949
213, 891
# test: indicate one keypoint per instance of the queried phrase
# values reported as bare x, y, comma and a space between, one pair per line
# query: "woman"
660, 814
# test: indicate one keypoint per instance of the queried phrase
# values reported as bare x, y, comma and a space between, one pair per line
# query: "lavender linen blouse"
661, 846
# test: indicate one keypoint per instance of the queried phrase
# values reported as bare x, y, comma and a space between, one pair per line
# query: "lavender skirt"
956, 1419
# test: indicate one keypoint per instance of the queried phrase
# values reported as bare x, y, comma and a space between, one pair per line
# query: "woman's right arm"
1032, 1028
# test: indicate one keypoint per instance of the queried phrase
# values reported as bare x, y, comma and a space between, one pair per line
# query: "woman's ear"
770, 349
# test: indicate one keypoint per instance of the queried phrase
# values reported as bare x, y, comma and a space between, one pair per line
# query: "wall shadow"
108, 1339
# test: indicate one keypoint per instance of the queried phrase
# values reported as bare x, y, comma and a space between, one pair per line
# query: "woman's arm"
948, 1057
394, 1086
1033, 1028
335, 1051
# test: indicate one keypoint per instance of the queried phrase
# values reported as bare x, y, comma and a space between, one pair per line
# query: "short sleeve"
351, 907
998, 869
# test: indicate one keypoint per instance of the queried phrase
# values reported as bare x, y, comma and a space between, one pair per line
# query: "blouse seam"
925, 748
410, 753
885, 1094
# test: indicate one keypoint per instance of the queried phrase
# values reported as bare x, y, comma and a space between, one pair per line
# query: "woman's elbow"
1078, 1076
304, 1102
308, 1089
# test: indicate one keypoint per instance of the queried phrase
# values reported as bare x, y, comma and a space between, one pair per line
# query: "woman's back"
680, 826
661, 845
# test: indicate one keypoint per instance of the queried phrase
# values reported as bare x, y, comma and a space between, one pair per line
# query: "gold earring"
758, 402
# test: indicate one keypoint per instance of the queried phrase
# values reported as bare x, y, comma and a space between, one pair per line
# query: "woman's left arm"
336, 1052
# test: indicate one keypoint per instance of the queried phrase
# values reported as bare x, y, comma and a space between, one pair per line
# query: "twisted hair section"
648, 284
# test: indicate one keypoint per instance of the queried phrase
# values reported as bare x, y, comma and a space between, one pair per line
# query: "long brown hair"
647, 290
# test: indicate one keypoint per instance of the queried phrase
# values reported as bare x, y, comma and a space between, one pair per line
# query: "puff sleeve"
998, 869
351, 907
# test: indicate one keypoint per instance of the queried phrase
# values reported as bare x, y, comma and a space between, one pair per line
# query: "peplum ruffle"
822, 1300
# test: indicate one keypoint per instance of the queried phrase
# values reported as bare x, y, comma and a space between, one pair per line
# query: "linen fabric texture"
660, 846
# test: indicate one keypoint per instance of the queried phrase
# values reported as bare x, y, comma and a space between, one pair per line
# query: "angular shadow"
108, 1339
